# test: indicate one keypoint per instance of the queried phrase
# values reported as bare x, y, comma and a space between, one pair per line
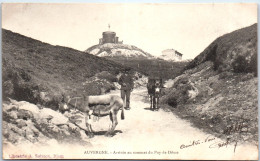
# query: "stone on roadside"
24, 114
9, 107
57, 118
21, 123
30, 107
13, 114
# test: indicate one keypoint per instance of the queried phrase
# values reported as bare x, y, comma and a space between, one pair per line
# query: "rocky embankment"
218, 91
28, 123
25, 123
224, 104
35, 75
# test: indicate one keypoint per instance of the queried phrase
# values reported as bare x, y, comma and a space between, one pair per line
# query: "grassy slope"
222, 100
225, 49
153, 67
31, 66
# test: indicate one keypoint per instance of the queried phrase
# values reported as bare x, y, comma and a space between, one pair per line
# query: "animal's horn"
122, 114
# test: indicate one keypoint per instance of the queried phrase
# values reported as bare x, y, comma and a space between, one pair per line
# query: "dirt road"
147, 134
144, 134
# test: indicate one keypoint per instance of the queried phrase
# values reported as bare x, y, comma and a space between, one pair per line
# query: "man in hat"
127, 85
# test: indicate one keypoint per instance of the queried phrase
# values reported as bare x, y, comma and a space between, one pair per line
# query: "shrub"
108, 76
224, 75
246, 77
253, 64
240, 65
181, 81
172, 102
217, 63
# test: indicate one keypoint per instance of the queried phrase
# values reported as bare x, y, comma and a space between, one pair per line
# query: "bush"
225, 75
181, 81
106, 75
253, 64
172, 102
240, 65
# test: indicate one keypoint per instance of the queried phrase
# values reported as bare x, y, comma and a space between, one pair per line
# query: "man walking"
127, 85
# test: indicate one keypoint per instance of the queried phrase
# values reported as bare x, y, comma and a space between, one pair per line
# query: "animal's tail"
122, 113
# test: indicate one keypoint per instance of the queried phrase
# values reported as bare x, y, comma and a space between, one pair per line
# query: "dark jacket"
126, 82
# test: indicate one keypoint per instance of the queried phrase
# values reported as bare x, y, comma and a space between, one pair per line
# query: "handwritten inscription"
194, 143
222, 144
209, 139
197, 142
237, 127
215, 144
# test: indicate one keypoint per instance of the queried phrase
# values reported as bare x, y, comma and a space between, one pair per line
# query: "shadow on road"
148, 108
103, 132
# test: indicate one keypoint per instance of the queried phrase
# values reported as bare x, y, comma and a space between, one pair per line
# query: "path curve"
144, 134
144, 131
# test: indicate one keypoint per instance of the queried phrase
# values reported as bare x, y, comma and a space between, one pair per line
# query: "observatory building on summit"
171, 55
109, 37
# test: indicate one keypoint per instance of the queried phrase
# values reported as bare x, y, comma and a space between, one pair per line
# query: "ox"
100, 106
154, 90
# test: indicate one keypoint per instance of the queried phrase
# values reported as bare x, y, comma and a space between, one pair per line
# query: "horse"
100, 106
154, 91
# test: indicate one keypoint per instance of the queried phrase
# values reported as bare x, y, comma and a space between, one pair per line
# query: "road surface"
146, 134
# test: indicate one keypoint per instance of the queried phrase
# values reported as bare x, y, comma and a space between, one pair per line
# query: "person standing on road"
127, 85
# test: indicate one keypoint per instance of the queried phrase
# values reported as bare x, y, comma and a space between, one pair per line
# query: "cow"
154, 86
100, 106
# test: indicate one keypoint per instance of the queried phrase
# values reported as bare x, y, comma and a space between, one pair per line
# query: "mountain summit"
110, 46
117, 50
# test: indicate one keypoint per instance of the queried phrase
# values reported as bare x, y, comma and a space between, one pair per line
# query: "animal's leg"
114, 123
88, 121
109, 129
122, 112
123, 95
158, 102
113, 118
90, 126
151, 100
154, 102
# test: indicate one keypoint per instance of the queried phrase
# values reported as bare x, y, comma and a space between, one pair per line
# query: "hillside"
218, 90
227, 50
152, 67
117, 50
39, 72
35, 76
136, 58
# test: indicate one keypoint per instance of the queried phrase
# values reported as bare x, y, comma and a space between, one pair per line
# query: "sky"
153, 27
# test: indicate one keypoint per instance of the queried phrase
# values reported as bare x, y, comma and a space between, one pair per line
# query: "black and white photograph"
171, 81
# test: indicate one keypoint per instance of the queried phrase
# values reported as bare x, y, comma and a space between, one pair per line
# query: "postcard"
169, 81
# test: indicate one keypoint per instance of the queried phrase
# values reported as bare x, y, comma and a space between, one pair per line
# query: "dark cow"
154, 86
